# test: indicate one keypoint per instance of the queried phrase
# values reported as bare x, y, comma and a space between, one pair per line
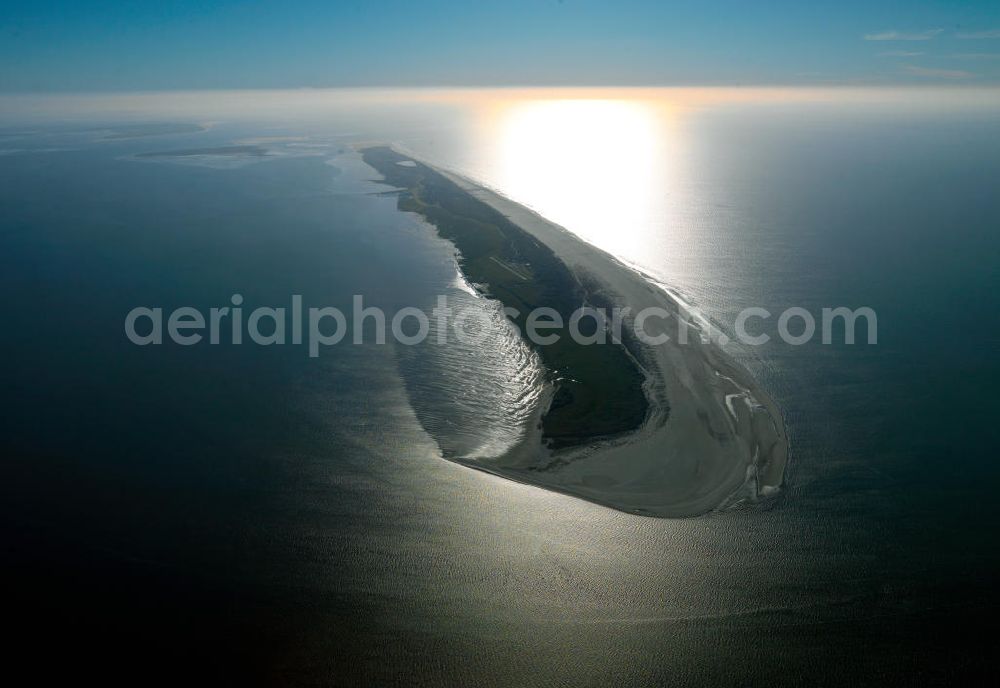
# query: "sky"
77, 45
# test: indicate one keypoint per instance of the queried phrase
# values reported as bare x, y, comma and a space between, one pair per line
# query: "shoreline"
599, 392
712, 437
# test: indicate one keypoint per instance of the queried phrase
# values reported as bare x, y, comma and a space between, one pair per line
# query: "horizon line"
948, 85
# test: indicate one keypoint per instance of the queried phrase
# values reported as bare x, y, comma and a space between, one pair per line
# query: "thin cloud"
899, 53
903, 35
930, 73
975, 56
977, 35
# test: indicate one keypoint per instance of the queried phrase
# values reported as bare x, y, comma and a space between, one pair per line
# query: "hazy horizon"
306, 103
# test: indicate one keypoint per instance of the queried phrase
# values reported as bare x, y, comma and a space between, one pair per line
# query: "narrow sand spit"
713, 437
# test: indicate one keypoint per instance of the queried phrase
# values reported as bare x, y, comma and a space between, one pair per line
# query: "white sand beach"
722, 440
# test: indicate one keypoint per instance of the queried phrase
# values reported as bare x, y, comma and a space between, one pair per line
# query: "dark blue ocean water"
248, 513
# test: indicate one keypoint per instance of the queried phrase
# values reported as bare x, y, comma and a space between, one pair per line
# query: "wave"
478, 396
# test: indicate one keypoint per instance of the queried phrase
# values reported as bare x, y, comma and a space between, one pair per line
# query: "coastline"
720, 441
598, 392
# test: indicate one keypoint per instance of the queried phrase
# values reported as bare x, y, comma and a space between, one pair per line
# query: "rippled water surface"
292, 518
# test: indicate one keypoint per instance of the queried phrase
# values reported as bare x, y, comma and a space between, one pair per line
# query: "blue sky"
142, 45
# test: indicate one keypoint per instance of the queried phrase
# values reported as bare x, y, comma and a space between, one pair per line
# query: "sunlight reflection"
598, 166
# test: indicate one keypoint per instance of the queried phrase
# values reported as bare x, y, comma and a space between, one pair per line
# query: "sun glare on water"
595, 165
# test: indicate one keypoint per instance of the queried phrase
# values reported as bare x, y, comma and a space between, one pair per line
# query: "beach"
711, 438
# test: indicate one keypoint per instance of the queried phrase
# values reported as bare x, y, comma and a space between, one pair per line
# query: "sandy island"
711, 437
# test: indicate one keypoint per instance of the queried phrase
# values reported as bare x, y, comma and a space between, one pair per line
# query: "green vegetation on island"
598, 388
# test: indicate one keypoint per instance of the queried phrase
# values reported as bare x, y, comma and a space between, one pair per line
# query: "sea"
251, 515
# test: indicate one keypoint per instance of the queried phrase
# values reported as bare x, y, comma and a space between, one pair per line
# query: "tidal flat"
671, 430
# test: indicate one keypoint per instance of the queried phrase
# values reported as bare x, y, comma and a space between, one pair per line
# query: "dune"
712, 437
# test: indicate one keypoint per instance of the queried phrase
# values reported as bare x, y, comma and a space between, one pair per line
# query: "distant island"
673, 430
255, 151
136, 131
